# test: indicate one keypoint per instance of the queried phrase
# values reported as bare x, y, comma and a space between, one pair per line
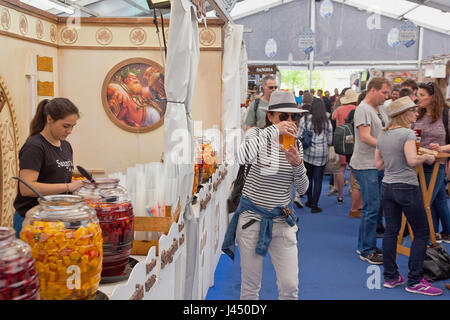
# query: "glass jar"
115, 213
66, 243
18, 276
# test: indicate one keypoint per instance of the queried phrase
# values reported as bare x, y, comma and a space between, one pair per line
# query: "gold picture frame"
130, 104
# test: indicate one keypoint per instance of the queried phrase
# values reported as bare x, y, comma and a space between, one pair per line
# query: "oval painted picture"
133, 95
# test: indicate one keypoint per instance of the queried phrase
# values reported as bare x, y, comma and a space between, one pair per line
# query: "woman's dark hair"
437, 101
57, 108
318, 116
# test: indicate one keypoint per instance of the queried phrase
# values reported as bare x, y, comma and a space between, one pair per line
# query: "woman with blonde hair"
396, 154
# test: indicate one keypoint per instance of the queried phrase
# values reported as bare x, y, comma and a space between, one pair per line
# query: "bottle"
18, 276
66, 243
115, 213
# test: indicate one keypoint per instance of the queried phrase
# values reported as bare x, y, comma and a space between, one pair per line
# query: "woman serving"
46, 158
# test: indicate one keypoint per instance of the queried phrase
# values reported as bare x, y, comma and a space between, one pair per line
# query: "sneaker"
373, 258
298, 202
394, 283
377, 251
332, 192
340, 200
445, 238
423, 287
438, 238
316, 209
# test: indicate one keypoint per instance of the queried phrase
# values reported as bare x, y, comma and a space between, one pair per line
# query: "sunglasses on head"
273, 87
284, 116
428, 85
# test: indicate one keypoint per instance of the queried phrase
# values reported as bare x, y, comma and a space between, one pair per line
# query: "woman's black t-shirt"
54, 164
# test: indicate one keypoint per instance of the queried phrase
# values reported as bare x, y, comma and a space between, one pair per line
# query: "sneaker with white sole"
394, 283
377, 250
423, 287
373, 258
442, 238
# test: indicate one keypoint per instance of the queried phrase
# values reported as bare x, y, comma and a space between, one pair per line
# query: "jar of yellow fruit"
66, 243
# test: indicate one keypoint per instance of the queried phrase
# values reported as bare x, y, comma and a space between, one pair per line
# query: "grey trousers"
283, 253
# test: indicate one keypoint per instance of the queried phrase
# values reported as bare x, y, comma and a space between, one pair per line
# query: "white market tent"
356, 34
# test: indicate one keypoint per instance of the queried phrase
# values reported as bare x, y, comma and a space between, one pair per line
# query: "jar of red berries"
115, 213
18, 276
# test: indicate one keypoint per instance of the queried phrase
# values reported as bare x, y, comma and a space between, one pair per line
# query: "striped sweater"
269, 181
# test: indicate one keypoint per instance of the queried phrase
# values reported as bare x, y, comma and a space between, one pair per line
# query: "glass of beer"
287, 141
417, 143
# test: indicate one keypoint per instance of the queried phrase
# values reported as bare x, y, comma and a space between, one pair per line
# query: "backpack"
307, 136
344, 136
436, 265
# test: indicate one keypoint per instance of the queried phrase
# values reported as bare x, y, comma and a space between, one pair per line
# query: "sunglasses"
284, 116
429, 86
381, 118
273, 87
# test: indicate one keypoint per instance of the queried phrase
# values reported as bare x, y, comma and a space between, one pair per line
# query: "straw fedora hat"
401, 105
350, 97
283, 101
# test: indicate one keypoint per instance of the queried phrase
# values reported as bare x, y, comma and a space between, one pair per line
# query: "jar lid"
62, 207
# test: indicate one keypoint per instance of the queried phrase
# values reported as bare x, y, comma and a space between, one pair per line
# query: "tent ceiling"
432, 14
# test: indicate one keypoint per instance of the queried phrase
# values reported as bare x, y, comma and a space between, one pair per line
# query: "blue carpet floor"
330, 269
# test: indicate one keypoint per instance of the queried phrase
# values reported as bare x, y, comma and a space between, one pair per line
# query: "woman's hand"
287, 127
75, 185
292, 155
429, 159
435, 147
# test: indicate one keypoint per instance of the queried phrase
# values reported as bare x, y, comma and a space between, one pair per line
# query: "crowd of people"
387, 121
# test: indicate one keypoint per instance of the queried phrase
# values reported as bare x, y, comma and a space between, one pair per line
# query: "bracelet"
67, 186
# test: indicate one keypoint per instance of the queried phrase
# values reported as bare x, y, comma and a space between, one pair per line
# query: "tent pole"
312, 21
420, 55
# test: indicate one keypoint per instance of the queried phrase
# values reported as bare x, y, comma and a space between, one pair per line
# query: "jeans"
315, 177
17, 223
438, 204
398, 197
369, 184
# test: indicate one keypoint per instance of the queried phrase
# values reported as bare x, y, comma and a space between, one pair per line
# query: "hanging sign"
326, 58
229, 5
271, 48
326, 9
339, 42
408, 33
393, 37
306, 41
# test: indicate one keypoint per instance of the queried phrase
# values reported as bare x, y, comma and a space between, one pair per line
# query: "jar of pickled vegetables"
66, 243
115, 213
18, 276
